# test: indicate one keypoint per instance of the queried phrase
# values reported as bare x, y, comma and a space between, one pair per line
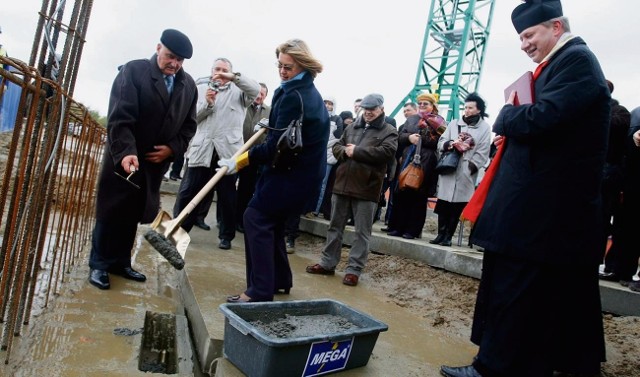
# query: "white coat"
220, 128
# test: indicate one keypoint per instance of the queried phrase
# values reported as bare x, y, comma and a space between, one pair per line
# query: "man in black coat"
538, 307
151, 119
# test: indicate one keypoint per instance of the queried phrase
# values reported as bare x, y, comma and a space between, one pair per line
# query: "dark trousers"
532, 318
292, 226
194, 180
410, 212
393, 185
448, 215
622, 258
266, 255
112, 243
247, 179
176, 166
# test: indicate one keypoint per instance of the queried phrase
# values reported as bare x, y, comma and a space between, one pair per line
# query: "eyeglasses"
425, 104
286, 67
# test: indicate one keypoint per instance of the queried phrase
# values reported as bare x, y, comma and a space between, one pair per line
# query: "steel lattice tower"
453, 52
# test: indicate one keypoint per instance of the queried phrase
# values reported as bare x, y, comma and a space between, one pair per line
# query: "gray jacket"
459, 186
220, 127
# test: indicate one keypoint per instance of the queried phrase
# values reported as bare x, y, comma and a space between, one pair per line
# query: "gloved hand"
261, 124
230, 163
234, 164
473, 169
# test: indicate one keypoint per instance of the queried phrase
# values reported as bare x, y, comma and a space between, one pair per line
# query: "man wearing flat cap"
363, 151
538, 308
152, 117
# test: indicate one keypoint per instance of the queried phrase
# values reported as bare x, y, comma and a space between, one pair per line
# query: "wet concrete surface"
409, 348
89, 332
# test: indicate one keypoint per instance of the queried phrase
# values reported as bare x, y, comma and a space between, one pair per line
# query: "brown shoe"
350, 279
319, 270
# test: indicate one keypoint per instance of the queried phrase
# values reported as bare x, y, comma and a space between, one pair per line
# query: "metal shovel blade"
168, 227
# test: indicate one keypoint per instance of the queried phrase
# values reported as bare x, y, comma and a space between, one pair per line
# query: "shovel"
166, 235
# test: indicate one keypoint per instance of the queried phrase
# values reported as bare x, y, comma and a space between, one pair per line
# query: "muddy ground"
446, 301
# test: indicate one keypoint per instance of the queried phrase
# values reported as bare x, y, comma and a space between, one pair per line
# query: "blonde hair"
301, 54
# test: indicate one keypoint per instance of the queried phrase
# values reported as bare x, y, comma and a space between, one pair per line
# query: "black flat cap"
535, 12
177, 42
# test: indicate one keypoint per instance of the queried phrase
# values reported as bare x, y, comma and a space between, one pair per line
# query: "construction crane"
453, 51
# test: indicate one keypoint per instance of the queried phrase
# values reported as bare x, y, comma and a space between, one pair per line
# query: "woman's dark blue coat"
281, 192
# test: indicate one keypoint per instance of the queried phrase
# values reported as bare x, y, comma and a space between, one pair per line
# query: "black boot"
442, 228
446, 240
452, 224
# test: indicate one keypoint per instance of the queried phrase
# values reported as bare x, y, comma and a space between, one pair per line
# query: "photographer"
221, 109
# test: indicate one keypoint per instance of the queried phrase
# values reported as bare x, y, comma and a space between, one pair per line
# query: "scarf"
472, 210
472, 120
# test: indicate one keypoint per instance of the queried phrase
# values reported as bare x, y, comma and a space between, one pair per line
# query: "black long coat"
544, 203
141, 115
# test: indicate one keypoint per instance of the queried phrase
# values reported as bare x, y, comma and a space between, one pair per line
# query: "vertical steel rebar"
47, 192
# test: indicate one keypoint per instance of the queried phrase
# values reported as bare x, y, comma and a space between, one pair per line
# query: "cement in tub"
298, 338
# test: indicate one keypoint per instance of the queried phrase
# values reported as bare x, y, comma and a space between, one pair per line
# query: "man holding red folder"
538, 306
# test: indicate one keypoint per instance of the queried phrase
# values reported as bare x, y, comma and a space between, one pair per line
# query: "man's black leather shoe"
129, 273
608, 276
224, 244
466, 371
202, 225
99, 278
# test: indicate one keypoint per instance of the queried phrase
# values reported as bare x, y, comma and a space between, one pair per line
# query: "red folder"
524, 89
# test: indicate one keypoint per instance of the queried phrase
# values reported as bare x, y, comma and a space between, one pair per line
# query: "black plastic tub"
260, 355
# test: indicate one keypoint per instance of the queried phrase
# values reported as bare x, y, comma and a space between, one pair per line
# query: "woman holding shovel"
290, 177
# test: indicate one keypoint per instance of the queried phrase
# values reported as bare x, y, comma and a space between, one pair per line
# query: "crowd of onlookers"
621, 196
406, 209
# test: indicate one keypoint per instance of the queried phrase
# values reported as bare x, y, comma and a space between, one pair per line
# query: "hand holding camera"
214, 85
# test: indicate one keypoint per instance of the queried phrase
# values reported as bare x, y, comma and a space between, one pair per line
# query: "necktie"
168, 80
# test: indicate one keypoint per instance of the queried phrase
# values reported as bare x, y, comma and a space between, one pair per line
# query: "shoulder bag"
448, 161
412, 175
290, 143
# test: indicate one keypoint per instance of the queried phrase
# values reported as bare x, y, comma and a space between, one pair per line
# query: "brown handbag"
412, 175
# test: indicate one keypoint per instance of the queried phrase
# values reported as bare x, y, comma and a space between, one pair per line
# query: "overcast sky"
365, 45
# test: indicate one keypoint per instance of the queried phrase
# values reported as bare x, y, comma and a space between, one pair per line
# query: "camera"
214, 85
